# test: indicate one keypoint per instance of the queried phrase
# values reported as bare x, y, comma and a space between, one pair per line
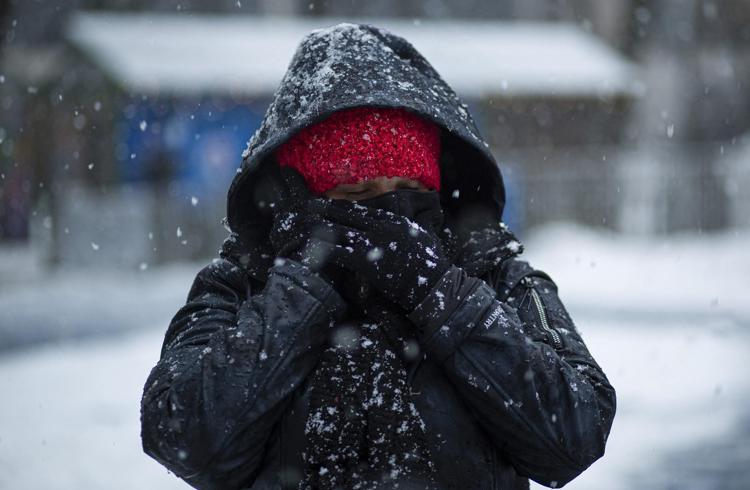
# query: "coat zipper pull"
552, 334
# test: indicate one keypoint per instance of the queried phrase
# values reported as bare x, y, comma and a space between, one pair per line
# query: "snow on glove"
397, 256
484, 249
291, 229
304, 237
310, 239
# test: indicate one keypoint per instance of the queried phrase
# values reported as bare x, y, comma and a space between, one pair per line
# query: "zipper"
552, 334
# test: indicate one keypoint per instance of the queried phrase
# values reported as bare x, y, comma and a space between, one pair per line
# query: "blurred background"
622, 128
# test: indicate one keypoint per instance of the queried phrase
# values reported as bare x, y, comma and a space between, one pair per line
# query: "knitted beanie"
363, 143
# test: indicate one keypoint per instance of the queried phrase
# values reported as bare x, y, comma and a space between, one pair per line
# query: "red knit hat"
364, 143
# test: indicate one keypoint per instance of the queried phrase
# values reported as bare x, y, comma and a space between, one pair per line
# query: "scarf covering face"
363, 429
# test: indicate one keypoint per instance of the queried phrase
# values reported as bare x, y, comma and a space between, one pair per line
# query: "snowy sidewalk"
668, 318
686, 276
71, 414
665, 321
56, 307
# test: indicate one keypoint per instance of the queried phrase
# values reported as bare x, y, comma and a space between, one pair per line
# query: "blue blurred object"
514, 214
196, 144
513, 177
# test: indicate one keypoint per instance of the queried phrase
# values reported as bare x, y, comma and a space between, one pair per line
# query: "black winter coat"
505, 385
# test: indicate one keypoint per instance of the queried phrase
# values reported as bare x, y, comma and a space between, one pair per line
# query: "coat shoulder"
220, 273
505, 277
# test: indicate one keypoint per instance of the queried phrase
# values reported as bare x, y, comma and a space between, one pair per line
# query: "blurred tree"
4, 13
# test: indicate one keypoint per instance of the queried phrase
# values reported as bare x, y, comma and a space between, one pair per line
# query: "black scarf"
363, 429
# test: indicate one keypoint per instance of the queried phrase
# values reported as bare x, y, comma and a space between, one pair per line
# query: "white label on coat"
493, 316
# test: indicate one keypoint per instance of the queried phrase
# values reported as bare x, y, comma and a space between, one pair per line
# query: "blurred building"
625, 114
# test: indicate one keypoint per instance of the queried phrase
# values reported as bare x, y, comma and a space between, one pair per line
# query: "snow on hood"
350, 65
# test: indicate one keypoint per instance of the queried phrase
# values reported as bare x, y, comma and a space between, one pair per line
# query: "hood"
350, 65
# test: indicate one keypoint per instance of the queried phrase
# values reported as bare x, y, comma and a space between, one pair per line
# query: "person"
368, 323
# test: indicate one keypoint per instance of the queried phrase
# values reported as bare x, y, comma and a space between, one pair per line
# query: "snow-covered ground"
669, 321
665, 318
684, 275
38, 306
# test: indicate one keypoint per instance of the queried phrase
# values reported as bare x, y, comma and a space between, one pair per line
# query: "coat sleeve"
517, 360
229, 361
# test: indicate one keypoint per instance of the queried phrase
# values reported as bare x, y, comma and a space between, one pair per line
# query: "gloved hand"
301, 236
295, 233
309, 239
398, 257
483, 249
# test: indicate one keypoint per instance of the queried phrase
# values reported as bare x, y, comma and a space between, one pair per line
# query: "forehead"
377, 180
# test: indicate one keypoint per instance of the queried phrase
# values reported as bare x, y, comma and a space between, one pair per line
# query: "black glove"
289, 190
304, 237
485, 248
397, 256
295, 233
309, 239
